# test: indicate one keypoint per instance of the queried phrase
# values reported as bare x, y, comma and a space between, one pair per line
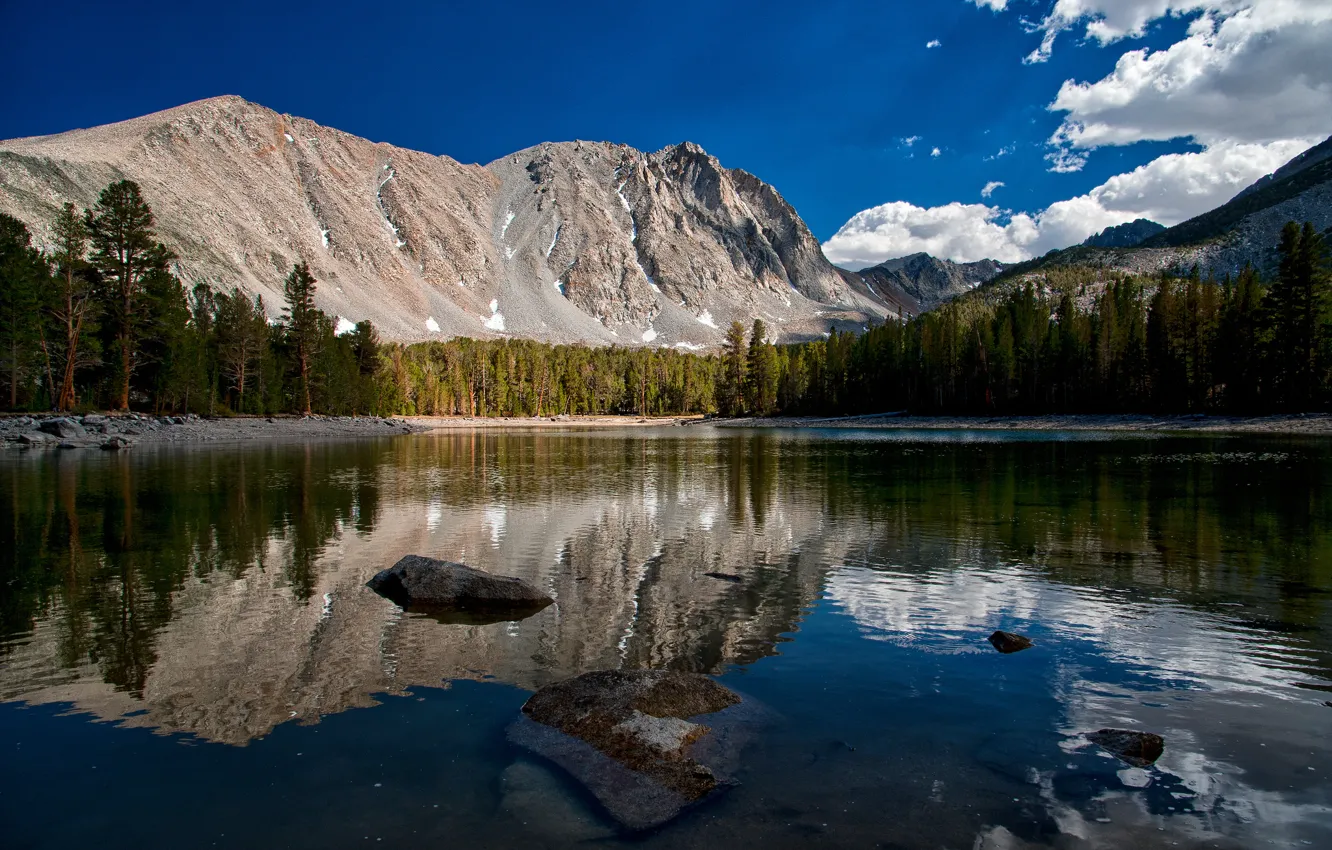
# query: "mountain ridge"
564, 241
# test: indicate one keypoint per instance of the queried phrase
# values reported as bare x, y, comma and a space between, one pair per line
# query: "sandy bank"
1305, 423
449, 423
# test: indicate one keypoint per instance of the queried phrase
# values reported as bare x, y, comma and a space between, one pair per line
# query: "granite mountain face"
930, 281
564, 242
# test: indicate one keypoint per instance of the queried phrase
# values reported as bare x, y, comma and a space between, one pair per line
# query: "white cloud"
932, 43
962, 232
1260, 73
1065, 161
1111, 20
1004, 151
1169, 189
996, 5
935, 152
990, 187
910, 140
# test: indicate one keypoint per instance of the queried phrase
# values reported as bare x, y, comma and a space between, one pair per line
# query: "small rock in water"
1140, 749
724, 577
456, 593
116, 444
647, 743
1008, 642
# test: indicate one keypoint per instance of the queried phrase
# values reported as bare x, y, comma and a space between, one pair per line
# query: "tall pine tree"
126, 253
302, 326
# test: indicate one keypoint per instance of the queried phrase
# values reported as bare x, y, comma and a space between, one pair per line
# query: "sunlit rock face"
564, 242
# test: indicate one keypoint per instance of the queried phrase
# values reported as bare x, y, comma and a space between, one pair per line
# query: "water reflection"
1180, 585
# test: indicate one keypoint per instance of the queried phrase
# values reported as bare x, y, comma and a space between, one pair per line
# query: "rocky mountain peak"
566, 241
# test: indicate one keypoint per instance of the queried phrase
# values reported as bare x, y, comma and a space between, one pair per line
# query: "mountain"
565, 242
1124, 235
928, 281
1243, 231
1246, 228
1313, 156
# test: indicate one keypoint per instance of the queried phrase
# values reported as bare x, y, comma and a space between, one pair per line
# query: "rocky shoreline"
1298, 423
117, 432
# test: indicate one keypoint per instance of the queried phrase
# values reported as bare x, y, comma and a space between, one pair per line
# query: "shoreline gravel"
123, 431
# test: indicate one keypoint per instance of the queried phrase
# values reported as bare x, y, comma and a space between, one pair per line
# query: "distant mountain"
928, 281
1313, 156
1249, 224
563, 242
1243, 231
1124, 235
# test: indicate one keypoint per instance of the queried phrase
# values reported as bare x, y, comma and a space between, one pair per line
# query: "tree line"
100, 320
1084, 344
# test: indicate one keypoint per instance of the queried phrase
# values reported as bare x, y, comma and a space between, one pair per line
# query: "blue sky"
817, 99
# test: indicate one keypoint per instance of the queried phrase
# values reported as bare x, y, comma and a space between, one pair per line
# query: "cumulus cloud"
935, 152
996, 5
1169, 189
962, 232
990, 187
932, 43
909, 141
1245, 72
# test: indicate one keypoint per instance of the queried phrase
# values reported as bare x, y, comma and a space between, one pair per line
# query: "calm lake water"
189, 657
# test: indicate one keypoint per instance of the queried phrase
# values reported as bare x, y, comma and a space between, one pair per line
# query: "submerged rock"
724, 577
647, 743
117, 444
1140, 749
537, 796
456, 593
1008, 642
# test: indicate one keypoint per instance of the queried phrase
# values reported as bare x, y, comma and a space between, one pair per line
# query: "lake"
189, 657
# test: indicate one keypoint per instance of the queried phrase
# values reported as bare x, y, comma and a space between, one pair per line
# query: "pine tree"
126, 253
761, 372
302, 326
22, 275
731, 392
1296, 305
71, 299
242, 335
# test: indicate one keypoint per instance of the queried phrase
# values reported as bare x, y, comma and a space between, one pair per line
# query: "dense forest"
100, 320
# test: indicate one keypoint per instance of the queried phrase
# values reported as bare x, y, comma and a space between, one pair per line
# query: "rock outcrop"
564, 242
1124, 235
456, 593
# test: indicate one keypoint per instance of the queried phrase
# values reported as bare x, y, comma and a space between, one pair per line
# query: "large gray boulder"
456, 593
62, 427
646, 743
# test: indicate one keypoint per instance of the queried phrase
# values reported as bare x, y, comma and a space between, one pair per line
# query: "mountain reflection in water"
1178, 585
